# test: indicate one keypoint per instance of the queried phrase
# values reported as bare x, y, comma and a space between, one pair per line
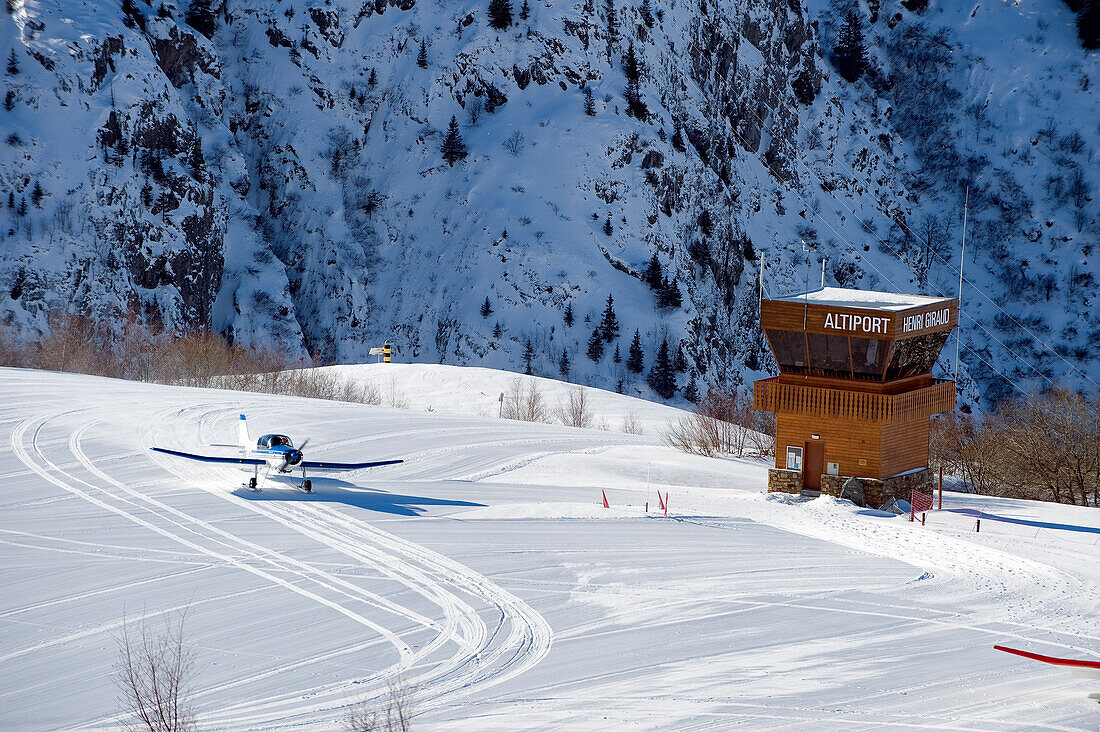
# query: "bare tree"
632, 424
514, 144
1042, 447
153, 674
395, 716
523, 401
720, 425
576, 412
933, 235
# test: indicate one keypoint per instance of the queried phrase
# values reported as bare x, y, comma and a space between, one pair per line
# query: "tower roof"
862, 299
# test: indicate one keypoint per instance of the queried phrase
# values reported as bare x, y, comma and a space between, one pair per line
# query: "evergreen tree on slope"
661, 377
500, 14
453, 148
850, 53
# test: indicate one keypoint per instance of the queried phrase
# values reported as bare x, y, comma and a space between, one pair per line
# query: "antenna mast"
806, 291
962, 261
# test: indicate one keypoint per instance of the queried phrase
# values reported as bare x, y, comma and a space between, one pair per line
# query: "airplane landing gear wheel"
251, 484
308, 486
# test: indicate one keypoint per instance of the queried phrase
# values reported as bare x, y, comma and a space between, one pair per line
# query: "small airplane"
273, 452
1079, 667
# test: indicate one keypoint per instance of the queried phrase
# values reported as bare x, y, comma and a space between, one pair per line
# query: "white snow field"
485, 571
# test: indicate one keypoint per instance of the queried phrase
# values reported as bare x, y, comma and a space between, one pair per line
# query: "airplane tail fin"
242, 435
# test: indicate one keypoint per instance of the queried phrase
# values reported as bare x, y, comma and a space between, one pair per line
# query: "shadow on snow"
333, 490
1023, 522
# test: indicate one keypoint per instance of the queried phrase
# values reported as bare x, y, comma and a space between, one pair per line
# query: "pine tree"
634, 359
668, 296
200, 17
589, 102
661, 377
609, 324
678, 138
563, 364
22, 210
500, 14
422, 57
619, 386
486, 308
646, 13
524, 11
679, 361
131, 16
1088, 24
453, 148
850, 54
706, 223
691, 391
36, 195
372, 81
616, 357
569, 315
498, 330
595, 346
528, 356
653, 275
612, 26
9, 100
11, 200
13, 64
607, 228
633, 71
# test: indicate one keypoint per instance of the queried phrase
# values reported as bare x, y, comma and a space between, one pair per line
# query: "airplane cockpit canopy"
274, 441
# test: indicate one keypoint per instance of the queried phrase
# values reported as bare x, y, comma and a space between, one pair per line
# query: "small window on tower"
794, 458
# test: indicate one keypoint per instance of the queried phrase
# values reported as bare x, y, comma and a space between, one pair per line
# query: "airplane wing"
328, 465
210, 458
1072, 663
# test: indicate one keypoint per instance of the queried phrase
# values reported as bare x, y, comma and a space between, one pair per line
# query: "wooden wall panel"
905, 446
846, 442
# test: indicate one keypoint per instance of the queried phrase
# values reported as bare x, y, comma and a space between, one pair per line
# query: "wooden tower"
855, 393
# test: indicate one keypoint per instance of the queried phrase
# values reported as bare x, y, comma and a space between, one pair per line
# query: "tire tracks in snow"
520, 639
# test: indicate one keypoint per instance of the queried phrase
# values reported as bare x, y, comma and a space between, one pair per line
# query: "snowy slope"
258, 181
477, 391
484, 570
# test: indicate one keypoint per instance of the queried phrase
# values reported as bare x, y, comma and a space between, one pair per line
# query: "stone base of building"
875, 492
784, 481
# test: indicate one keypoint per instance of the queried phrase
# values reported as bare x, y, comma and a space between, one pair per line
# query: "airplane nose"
293, 457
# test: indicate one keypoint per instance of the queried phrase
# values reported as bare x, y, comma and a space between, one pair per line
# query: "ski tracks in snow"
463, 655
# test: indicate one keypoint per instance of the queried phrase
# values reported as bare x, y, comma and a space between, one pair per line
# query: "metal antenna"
760, 291
958, 308
806, 292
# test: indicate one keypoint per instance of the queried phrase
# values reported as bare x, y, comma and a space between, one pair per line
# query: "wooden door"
813, 464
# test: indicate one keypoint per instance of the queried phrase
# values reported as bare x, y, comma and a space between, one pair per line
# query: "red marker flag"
605, 505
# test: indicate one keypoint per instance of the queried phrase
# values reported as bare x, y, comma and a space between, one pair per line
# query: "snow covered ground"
484, 571
476, 391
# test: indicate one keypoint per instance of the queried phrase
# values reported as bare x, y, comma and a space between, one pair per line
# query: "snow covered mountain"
273, 170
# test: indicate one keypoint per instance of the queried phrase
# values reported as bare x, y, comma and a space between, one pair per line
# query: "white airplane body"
273, 452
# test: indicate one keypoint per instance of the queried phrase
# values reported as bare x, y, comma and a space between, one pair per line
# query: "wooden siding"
905, 446
770, 395
846, 442
887, 449
810, 318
